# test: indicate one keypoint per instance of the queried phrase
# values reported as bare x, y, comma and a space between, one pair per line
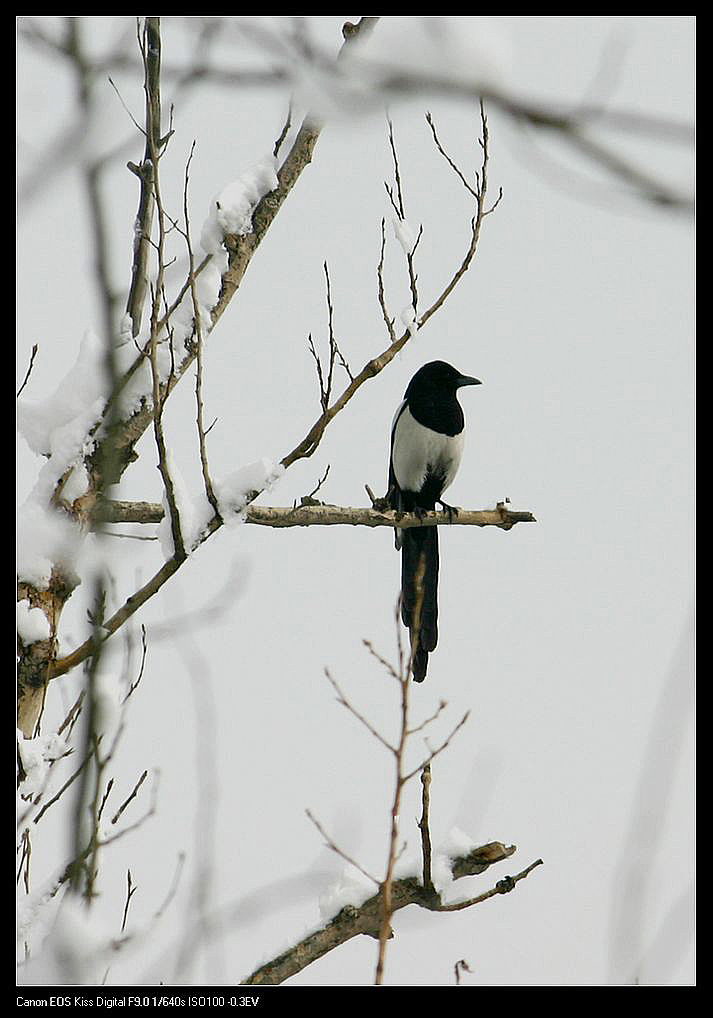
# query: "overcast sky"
569, 639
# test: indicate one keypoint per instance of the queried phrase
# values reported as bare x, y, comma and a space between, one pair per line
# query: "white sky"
570, 640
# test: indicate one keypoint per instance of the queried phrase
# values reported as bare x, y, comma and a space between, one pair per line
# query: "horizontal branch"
329, 516
271, 516
367, 918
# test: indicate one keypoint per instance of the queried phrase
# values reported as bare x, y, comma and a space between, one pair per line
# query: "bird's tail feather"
419, 593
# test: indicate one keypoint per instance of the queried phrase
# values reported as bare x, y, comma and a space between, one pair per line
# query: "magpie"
427, 436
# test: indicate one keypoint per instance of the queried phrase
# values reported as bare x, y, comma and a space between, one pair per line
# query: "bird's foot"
450, 509
389, 501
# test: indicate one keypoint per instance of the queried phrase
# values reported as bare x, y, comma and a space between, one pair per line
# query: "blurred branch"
574, 123
241, 249
150, 45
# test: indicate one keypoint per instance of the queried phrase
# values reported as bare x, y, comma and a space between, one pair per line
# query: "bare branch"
33, 354
341, 698
283, 133
475, 225
207, 482
423, 825
400, 210
324, 515
382, 296
133, 794
309, 499
437, 752
338, 851
456, 169
460, 966
130, 891
503, 886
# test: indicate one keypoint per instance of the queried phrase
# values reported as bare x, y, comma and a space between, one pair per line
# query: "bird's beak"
467, 380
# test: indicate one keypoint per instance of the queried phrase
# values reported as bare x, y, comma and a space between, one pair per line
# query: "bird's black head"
437, 377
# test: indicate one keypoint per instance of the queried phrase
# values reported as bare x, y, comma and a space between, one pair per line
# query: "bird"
427, 436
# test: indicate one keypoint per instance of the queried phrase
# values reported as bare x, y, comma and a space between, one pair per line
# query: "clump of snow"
234, 490
32, 624
208, 284
404, 234
126, 328
194, 513
231, 211
408, 864
36, 755
351, 887
233, 494
455, 845
44, 538
408, 318
76, 950
77, 484
65, 417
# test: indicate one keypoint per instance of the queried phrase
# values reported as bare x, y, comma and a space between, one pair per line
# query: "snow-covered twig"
366, 918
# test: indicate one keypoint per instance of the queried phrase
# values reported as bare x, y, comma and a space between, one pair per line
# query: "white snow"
44, 538
232, 492
235, 489
76, 950
77, 484
32, 624
231, 211
47, 425
455, 845
194, 513
351, 887
408, 318
36, 755
405, 234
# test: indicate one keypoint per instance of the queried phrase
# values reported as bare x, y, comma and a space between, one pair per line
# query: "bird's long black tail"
419, 593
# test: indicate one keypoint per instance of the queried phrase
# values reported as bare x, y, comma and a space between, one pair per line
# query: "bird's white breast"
418, 451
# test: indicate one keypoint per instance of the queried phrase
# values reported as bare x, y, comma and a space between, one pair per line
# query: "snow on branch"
367, 918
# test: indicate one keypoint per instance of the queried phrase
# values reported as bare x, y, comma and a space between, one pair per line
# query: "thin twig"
503, 886
341, 698
381, 293
207, 482
129, 798
307, 498
70, 780
399, 208
424, 827
130, 891
456, 169
138, 678
33, 354
151, 52
338, 851
437, 752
